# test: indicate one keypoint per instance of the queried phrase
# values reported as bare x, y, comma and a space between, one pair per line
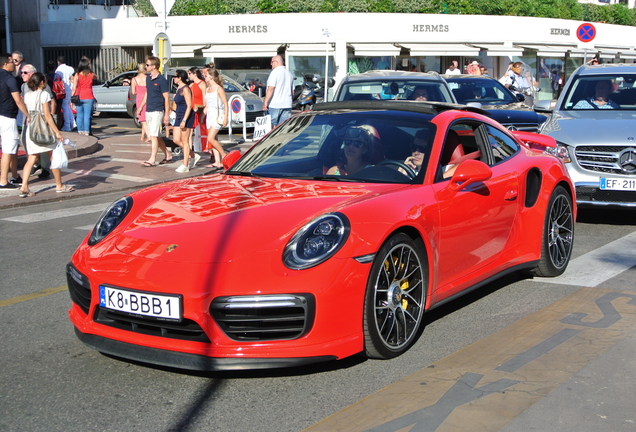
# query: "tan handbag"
39, 130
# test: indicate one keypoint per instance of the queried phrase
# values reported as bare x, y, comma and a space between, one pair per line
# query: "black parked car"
503, 105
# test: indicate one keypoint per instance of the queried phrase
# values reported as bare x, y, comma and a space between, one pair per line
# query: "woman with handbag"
216, 115
82, 91
43, 130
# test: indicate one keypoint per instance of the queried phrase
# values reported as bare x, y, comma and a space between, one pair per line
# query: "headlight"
561, 151
109, 220
317, 241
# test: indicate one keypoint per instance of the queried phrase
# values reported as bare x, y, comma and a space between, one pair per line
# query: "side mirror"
543, 106
231, 158
107, 84
521, 97
469, 172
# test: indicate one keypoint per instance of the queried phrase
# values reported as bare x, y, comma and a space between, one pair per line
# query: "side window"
460, 144
501, 145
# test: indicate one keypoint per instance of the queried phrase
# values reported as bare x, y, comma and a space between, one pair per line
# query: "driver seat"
453, 149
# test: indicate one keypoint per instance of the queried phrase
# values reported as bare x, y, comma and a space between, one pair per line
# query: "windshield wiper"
243, 173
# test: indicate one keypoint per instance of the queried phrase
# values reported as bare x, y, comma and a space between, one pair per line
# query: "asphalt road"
52, 382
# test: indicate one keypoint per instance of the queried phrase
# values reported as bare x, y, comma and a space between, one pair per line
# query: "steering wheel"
409, 171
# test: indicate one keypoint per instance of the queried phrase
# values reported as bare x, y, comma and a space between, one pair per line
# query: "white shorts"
154, 121
9, 135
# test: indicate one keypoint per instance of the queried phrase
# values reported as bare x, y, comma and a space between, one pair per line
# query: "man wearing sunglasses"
10, 103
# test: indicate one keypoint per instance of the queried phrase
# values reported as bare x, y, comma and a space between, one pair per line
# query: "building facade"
116, 38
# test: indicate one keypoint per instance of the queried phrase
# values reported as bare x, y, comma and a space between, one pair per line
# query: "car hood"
591, 127
507, 116
222, 218
249, 97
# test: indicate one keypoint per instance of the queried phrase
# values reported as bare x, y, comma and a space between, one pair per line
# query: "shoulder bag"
75, 96
39, 130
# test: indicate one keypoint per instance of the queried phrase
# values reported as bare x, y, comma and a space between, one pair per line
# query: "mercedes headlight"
110, 219
317, 241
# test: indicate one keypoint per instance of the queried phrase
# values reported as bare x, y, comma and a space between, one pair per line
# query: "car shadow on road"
606, 216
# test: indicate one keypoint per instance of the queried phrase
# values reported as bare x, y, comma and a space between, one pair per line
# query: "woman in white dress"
216, 115
38, 100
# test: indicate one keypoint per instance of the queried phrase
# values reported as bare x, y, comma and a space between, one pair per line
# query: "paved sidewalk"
107, 164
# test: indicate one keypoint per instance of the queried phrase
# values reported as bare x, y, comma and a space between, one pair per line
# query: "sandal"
216, 167
65, 189
165, 161
28, 193
147, 164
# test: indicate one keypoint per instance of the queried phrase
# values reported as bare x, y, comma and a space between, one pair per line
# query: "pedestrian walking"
66, 72
156, 101
184, 119
39, 100
216, 115
82, 86
139, 91
280, 92
10, 103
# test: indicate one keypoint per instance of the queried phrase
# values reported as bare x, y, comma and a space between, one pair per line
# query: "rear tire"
558, 235
395, 297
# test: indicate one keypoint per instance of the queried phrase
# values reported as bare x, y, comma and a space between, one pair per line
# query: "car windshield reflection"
484, 91
361, 147
603, 91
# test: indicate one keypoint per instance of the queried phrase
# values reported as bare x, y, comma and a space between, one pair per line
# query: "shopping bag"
262, 126
59, 159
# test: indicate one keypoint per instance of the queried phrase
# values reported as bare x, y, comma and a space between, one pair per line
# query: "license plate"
140, 303
618, 184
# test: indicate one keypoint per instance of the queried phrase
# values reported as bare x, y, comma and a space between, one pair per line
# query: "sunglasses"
421, 149
24, 73
15, 61
148, 65
355, 143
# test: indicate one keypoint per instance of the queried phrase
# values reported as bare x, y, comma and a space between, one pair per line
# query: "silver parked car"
393, 85
113, 94
594, 124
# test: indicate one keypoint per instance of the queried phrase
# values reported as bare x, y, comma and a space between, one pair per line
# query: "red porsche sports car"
383, 209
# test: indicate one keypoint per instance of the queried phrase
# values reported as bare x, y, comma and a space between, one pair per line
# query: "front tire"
395, 297
558, 235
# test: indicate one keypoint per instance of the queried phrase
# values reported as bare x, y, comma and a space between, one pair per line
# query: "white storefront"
354, 42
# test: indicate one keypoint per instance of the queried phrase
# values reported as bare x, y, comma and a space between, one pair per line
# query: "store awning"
441, 49
628, 54
250, 50
185, 51
548, 50
375, 50
309, 49
499, 50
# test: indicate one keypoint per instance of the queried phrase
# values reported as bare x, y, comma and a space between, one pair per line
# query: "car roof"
432, 108
460, 76
380, 74
607, 68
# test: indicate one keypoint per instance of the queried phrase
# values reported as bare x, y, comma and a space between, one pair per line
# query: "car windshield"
396, 89
231, 86
364, 146
484, 91
603, 91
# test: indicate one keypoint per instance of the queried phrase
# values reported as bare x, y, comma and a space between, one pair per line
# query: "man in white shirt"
453, 69
66, 72
280, 91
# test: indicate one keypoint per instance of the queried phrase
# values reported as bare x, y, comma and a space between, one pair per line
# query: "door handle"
511, 195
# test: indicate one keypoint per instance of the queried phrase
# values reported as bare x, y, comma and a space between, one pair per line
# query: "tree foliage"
564, 9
